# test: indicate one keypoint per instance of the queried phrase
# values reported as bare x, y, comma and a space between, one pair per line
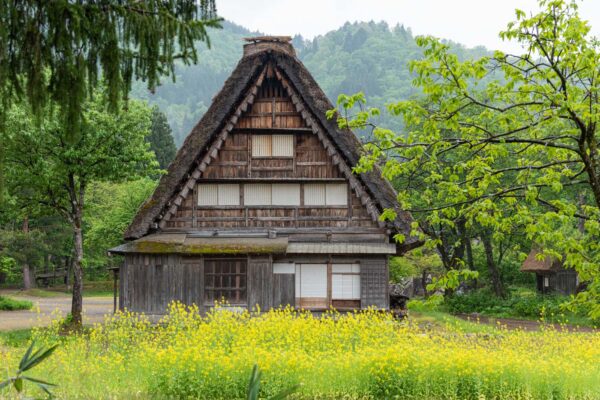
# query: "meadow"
364, 355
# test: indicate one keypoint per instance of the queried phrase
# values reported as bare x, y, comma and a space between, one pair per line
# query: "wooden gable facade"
260, 206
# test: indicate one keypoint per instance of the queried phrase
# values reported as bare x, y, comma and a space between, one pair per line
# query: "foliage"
504, 143
18, 248
109, 210
355, 355
55, 51
254, 387
414, 264
29, 360
8, 269
161, 139
44, 167
9, 304
519, 304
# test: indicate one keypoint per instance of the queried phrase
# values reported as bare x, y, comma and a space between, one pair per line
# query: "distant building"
552, 276
261, 207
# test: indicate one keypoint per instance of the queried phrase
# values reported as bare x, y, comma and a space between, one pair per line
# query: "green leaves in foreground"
254, 387
30, 360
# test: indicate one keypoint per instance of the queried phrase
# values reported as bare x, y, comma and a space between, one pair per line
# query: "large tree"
161, 138
45, 167
521, 131
55, 51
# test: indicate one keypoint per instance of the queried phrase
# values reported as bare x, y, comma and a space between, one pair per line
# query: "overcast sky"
470, 22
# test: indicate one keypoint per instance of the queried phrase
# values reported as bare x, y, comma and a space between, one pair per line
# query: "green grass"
440, 320
9, 304
16, 338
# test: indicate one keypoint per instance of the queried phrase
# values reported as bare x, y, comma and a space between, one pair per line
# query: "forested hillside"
367, 56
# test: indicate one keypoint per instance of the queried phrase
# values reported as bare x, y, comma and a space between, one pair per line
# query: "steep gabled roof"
226, 106
533, 264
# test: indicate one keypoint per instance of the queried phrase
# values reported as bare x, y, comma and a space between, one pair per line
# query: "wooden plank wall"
235, 161
284, 290
260, 282
374, 282
311, 162
150, 282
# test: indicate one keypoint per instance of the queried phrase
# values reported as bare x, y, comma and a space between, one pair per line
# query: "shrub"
519, 304
8, 304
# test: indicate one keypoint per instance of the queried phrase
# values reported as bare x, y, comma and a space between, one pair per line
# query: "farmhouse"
551, 275
260, 206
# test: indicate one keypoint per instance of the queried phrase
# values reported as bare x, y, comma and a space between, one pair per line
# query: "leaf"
36, 359
5, 383
25, 357
285, 393
18, 384
254, 384
39, 381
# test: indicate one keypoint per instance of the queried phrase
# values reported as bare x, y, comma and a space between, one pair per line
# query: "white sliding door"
311, 285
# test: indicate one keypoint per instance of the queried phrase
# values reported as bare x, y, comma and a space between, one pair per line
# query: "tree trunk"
486, 238
77, 303
27, 272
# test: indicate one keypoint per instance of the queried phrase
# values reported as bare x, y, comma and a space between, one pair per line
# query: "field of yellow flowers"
363, 355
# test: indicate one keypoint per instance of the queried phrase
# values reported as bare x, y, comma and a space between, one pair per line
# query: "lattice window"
225, 279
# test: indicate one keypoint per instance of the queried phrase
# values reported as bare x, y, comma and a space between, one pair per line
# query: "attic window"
221, 194
273, 146
326, 194
266, 194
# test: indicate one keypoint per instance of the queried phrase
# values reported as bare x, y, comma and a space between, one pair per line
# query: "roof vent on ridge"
258, 44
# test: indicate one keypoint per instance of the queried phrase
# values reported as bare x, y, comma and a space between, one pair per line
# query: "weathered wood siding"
150, 282
260, 282
310, 164
284, 290
374, 282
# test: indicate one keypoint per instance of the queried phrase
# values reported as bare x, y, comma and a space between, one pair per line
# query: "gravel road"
45, 308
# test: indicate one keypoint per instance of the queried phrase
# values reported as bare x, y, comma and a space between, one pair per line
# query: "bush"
8, 304
519, 304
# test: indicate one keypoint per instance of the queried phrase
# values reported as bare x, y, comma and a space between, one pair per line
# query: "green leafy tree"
522, 131
55, 51
47, 168
161, 139
110, 208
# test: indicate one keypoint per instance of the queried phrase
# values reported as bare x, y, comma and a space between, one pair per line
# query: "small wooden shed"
261, 207
552, 276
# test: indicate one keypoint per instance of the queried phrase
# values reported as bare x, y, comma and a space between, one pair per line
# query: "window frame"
270, 136
240, 291
217, 185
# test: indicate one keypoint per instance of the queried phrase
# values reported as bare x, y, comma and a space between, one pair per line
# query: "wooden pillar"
329, 282
115, 279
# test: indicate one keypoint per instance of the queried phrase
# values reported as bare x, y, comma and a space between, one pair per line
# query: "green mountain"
366, 56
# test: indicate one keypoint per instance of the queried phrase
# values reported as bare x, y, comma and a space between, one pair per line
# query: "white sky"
470, 22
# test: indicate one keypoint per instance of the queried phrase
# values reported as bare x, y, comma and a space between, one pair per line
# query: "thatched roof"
533, 264
223, 106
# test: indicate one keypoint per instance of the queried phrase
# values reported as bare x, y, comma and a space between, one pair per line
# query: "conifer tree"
161, 139
56, 51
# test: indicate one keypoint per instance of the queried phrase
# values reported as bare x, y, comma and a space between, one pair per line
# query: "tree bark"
76, 218
77, 302
27, 273
486, 238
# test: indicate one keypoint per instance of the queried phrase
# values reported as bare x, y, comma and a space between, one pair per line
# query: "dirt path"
94, 309
526, 325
